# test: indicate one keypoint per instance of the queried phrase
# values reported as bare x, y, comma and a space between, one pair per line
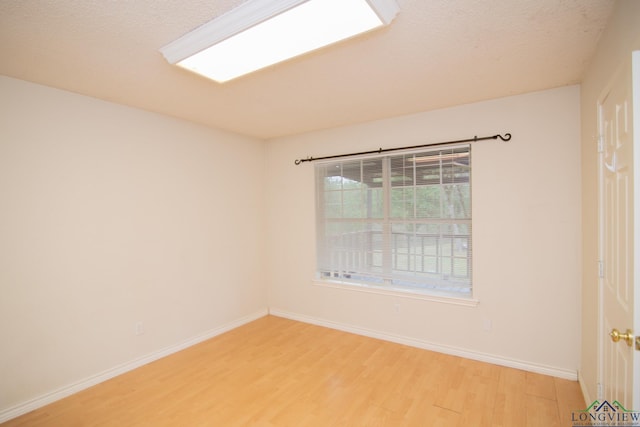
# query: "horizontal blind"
401, 220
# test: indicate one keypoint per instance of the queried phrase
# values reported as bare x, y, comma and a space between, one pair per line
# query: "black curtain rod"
506, 137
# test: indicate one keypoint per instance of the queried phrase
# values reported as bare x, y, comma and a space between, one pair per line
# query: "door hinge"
601, 269
600, 144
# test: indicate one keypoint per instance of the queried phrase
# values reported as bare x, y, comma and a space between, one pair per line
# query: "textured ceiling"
435, 54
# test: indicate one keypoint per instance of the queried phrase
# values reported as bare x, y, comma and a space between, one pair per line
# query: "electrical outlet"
139, 328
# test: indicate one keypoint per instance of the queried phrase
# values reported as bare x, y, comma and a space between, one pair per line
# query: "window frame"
387, 221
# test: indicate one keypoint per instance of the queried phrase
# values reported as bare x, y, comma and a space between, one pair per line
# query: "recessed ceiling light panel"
260, 33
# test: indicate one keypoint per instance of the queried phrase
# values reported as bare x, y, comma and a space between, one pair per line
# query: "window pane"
428, 201
333, 204
352, 189
353, 250
456, 201
402, 202
375, 200
353, 204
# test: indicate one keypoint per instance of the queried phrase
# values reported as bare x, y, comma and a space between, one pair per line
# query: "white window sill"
412, 294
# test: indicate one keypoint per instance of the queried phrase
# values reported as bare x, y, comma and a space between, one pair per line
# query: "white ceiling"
435, 54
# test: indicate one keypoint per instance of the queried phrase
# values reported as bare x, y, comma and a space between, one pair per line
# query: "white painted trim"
585, 393
425, 345
70, 389
372, 289
635, 106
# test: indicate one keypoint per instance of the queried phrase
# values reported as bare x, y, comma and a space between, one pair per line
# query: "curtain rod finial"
308, 159
506, 137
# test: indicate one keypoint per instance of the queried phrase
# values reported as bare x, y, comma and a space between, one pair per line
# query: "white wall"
526, 229
110, 216
621, 37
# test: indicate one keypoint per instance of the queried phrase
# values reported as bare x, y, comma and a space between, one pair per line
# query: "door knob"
616, 336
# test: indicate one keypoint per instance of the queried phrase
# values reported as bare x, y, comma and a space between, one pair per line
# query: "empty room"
268, 213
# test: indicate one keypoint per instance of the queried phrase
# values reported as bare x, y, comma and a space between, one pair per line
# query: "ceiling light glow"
260, 33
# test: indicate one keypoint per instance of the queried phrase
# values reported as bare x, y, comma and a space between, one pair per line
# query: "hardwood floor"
277, 372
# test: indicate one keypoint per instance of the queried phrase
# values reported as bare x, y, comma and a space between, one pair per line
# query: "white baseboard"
70, 389
412, 342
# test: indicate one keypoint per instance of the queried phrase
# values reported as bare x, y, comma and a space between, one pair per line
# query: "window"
401, 221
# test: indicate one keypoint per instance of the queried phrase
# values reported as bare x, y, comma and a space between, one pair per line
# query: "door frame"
601, 333
635, 105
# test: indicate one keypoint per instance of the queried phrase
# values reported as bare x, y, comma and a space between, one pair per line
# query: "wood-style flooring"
278, 372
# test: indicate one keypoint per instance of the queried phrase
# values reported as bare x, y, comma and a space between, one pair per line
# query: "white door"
619, 240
